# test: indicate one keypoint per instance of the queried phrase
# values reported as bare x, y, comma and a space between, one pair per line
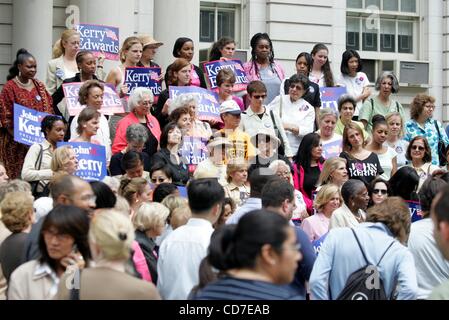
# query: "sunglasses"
380, 191
420, 148
257, 96
296, 86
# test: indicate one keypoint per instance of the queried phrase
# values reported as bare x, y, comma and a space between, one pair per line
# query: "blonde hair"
129, 188
171, 202
325, 194
16, 209
150, 216
234, 166
122, 206
324, 112
180, 216
395, 114
113, 233
329, 166
127, 44
58, 48
60, 158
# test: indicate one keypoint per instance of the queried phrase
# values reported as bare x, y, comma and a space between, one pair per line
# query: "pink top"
195, 79
140, 262
316, 226
251, 71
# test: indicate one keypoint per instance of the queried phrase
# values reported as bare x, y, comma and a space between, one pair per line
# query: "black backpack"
358, 286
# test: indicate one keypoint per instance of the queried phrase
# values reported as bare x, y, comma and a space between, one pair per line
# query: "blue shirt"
413, 129
249, 205
229, 288
340, 256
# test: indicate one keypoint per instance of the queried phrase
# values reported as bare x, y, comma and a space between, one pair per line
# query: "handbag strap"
39, 158
438, 129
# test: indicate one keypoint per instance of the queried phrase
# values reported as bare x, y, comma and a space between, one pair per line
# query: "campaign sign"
415, 210
318, 243
208, 108
91, 160
332, 149
212, 68
330, 95
194, 150
27, 125
182, 192
136, 77
100, 40
111, 101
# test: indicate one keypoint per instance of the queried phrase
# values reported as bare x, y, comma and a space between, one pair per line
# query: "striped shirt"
229, 288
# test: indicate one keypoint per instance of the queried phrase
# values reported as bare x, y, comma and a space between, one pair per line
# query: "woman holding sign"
23, 89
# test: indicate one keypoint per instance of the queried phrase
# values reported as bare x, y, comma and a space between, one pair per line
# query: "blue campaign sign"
415, 210
332, 149
182, 192
91, 160
100, 40
194, 149
318, 243
27, 125
208, 108
212, 68
330, 95
136, 77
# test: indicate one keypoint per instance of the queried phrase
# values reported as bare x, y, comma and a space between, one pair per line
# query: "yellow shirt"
241, 144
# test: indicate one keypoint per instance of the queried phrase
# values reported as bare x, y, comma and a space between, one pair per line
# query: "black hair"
275, 192
238, 246
299, 78
204, 194
48, 122
131, 159
163, 190
304, 155
328, 77
427, 152
378, 120
257, 180
348, 54
81, 54
69, 220
373, 184
21, 56
429, 190
254, 41
106, 198
404, 183
350, 188
441, 207
162, 166
215, 53
164, 136
308, 58
178, 45
346, 98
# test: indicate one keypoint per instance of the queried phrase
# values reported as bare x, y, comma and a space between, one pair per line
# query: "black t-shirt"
115, 166
365, 170
150, 146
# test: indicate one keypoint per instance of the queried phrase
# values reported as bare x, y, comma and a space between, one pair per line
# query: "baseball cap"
230, 106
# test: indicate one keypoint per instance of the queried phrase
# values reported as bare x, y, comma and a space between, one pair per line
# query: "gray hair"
182, 100
136, 133
351, 188
137, 96
14, 186
327, 112
394, 80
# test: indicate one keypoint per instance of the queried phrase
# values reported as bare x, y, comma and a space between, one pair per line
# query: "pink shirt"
195, 79
315, 226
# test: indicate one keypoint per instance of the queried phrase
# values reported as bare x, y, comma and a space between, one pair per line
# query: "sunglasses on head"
258, 96
420, 148
380, 191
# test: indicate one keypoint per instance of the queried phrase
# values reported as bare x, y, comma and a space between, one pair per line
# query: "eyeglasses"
49, 235
296, 86
420, 148
380, 191
258, 96
160, 180
146, 103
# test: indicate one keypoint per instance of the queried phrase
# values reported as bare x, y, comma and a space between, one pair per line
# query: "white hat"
264, 132
230, 106
218, 141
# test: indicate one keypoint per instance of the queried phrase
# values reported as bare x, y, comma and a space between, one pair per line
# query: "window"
375, 3
353, 33
408, 5
387, 35
369, 67
357, 4
390, 5
369, 35
387, 5
217, 20
405, 37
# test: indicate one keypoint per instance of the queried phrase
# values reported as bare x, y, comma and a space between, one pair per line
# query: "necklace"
27, 85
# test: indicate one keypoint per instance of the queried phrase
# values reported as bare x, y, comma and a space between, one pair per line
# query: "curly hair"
418, 103
83, 94
16, 209
394, 213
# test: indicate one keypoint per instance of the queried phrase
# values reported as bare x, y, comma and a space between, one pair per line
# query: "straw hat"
148, 40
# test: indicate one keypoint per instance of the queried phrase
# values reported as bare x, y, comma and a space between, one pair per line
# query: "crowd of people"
290, 199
